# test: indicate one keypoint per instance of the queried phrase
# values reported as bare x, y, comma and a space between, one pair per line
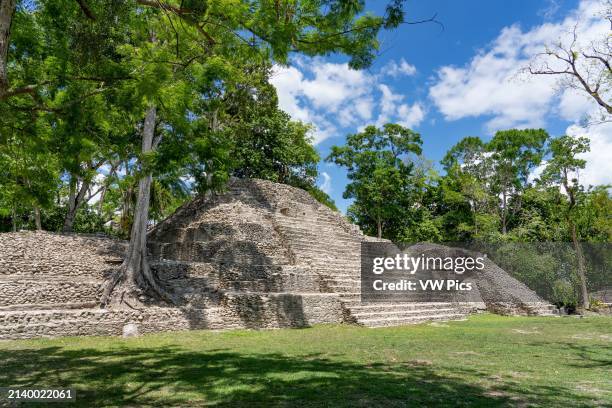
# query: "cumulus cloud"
326, 184
392, 106
335, 98
598, 168
401, 68
492, 85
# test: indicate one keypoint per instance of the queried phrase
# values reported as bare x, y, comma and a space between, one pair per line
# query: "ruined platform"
261, 255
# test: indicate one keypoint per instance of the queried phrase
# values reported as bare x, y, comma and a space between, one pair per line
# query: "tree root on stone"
131, 288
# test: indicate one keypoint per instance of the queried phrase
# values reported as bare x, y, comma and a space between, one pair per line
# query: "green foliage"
92, 68
380, 171
29, 172
564, 295
596, 305
52, 219
321, 197
264, 142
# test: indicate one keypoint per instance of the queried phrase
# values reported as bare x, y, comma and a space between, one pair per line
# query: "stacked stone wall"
260, 255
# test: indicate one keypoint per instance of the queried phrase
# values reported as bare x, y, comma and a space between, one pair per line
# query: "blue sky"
463, 80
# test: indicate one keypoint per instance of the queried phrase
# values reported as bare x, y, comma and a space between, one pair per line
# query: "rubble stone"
260, 255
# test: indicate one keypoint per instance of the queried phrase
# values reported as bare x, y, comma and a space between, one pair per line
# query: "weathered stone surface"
130, 330
261, 255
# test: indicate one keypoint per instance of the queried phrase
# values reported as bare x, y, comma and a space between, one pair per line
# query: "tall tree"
514, 154
29, 171
582, 64
467, 187
186, 48
562, 169
379, 172
7, 11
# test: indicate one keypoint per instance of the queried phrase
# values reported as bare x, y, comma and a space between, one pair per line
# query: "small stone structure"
261, 255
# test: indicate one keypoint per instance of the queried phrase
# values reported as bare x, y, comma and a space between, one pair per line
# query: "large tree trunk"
7, 10
581, 266
74, 202
101, 200
14, 219
579, 255
379, 228
106, 186
135, 275
37, 218
504, 214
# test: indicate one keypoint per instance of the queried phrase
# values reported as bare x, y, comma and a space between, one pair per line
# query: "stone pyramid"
260, 255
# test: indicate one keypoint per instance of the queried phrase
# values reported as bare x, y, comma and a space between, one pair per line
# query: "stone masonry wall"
260, 255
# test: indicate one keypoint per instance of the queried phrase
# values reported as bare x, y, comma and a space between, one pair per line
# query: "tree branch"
86, 10
605, 62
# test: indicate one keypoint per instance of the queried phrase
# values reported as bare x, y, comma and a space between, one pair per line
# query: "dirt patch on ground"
466, 353
531, 331
418, 363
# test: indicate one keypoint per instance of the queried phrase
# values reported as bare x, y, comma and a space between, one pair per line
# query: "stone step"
214, 231
348, 280
214, 252
33, 270
403, 313
383, 307
345, 271
544, 310
340, 289
330, 240
62, 322
344, 283
48, 291
400, 321
272, 284
170, 269
399, 298
339, 255
324, 255
320, 238
317, 219
50, 279
306, 231
49, 306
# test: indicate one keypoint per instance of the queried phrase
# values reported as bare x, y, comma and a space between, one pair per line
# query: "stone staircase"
281, 242
331, 246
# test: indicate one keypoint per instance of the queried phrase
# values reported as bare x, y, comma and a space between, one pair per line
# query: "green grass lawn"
485, 361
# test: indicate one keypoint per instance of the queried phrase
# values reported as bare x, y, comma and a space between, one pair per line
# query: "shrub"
563, 294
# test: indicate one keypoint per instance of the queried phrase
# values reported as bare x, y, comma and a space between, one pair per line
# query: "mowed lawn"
485, 361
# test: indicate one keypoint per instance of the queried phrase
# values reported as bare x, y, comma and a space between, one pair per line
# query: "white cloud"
326, 185
393, 109
335, 98
395, 69
492, 85
550, 10
598, 168
410, 116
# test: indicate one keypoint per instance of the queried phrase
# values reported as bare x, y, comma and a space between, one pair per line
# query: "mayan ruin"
261, 255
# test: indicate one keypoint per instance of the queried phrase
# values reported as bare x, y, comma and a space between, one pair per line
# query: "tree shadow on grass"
590, 355
172, 376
